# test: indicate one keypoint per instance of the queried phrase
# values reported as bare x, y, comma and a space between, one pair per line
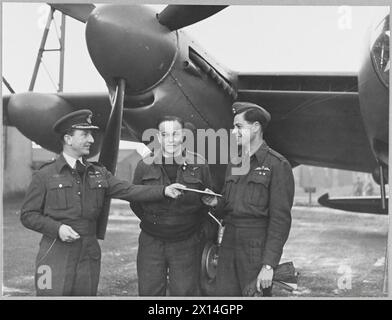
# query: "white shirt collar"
71, 160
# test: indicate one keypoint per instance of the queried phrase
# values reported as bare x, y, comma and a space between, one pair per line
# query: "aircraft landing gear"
382, 188
209, 261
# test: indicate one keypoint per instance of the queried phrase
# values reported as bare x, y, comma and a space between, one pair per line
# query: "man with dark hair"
256, 207
170, 237
64, 202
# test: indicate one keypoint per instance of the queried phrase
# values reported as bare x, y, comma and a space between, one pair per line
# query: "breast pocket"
193, 181
59, 194
98, 189
230, 184
258, 185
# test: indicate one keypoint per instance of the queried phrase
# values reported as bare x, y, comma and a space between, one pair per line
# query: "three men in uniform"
66, 197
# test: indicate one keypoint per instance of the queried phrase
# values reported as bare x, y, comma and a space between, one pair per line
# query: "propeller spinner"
128, 42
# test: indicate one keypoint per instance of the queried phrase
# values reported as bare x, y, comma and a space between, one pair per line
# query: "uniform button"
154, 223
99, 186
79, 193
60, 185
77, 181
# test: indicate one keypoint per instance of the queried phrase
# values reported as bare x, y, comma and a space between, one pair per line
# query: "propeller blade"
179, 16
109, 150
78, 11
6, 98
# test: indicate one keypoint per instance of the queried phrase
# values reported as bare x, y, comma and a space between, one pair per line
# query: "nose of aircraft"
128, 42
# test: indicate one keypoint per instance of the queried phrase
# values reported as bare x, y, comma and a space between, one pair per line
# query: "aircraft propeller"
176, 17
7, 84
78, 11
109, 149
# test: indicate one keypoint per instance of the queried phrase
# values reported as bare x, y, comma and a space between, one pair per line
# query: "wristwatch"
267, 267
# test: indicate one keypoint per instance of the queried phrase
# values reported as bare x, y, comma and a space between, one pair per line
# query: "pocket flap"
191, 179
98, 183
59, 184
151, 175
260, 177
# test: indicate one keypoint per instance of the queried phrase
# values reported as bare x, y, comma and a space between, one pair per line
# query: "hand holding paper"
210, 199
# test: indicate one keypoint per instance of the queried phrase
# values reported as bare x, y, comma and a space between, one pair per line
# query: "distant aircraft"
152, 68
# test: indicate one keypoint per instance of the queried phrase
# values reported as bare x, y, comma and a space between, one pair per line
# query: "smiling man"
256, 207
170, 240
64, 201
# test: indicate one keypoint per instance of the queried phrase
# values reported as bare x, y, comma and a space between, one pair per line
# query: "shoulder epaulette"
47, 163
276, 154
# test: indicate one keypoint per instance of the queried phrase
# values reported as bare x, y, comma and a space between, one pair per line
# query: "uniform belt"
246, 222
172, 219
83, 226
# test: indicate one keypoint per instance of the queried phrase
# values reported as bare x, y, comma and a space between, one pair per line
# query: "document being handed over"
209, 193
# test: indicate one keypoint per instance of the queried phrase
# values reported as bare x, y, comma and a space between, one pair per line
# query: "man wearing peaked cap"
80, 119
64, 202
256, 207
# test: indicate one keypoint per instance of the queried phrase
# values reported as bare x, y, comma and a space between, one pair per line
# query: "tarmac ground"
337, 253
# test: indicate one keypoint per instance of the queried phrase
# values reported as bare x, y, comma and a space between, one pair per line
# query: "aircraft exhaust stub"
208, 69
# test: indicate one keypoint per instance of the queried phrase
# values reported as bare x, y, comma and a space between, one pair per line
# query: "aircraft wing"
316, 118
362, 204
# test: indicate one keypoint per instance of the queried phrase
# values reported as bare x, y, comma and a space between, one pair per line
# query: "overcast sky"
245, 38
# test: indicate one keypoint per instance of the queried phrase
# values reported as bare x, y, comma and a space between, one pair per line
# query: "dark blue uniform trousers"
159, 260
240, 259
68, 268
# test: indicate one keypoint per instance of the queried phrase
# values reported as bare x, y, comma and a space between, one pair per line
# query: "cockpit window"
380, 50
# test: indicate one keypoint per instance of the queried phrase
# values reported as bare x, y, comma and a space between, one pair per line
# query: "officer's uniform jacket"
263, 195
57, 195
193, 173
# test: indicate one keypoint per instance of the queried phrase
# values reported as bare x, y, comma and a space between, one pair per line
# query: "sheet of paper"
201, 191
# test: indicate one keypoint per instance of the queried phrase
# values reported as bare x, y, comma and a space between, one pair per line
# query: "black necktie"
80, 168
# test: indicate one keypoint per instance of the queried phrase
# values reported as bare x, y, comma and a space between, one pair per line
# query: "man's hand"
264, 279
210, 201
67, 234
172, 191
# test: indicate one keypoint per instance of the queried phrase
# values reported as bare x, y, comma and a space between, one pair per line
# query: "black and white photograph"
195, 150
